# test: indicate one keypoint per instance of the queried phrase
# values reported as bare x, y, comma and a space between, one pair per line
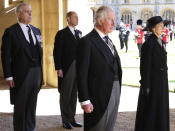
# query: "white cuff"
85, 102
9, 78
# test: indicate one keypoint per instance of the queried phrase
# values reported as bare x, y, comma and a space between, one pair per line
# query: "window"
126, 17
145, 15
168, 0
146, 1
169, 15
126, 1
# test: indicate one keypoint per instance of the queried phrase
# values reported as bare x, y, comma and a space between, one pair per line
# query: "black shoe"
76, 124
67, 125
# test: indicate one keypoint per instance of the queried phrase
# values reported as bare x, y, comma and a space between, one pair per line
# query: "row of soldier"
141, 35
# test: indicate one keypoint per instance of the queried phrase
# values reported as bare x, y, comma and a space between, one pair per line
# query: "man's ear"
18, 15
68, 19
100, 22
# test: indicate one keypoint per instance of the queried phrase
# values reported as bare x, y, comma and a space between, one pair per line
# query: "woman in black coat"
153, 104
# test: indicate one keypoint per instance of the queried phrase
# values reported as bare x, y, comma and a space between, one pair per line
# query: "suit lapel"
70, 34
23, 40
102, 47
37, 42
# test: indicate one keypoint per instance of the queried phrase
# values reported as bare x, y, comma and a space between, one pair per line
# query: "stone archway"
168, 14
146, 14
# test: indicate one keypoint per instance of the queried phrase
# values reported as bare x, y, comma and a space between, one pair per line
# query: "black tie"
30, 35
76, 35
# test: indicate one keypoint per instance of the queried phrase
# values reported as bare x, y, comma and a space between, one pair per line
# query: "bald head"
72, 18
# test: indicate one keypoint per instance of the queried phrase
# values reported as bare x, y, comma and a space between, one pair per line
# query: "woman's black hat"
151, 22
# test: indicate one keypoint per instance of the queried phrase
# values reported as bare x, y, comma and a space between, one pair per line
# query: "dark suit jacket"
95, 75
64, 52
16, 56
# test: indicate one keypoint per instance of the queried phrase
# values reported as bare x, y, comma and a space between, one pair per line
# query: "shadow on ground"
125, 122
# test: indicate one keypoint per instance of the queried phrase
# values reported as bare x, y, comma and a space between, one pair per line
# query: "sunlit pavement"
48, 101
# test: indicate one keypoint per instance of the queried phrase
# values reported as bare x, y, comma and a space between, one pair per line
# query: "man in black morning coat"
99, 74
21, 54
66, 41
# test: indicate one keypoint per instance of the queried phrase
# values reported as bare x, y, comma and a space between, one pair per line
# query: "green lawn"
130, 62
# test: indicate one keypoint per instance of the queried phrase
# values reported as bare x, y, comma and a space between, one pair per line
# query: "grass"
130, 62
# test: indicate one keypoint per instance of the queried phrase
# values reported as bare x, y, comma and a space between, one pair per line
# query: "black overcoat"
95, 75
153, 103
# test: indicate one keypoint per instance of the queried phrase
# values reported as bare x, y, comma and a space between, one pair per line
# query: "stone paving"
125, 122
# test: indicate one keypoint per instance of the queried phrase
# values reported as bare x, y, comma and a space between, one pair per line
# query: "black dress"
153, 104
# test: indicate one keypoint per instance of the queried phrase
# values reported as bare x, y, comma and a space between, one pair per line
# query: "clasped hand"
88, 108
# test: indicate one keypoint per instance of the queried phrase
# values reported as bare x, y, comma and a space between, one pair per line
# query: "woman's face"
158, 29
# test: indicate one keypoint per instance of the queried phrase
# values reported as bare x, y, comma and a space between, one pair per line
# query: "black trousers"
26, 100
126, 43
121, 41
139, 47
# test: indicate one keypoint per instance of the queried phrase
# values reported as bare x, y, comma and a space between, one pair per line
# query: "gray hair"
19, 7
101, 13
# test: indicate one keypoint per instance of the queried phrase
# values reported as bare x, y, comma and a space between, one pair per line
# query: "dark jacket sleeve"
57, 52
83, 61
6, 53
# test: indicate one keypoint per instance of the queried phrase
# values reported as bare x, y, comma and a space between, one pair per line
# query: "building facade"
132, 10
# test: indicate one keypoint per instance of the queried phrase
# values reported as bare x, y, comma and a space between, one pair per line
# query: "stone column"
2, 4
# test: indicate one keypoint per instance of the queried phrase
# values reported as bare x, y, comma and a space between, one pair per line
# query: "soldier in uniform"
139, 34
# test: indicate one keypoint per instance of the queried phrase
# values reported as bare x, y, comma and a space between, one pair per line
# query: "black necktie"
30, 35
76, 35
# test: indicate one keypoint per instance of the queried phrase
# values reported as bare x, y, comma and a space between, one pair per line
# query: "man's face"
73, 19
108, 24
25, 16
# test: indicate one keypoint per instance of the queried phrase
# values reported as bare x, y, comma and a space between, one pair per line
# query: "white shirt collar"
25, 31
72, 29
101, 34
23, 25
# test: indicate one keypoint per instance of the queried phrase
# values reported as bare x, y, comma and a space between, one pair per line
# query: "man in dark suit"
22, 66
99, 74
66, 41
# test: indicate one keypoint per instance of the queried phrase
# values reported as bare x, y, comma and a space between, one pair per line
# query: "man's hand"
11, 83
88, 108
60, 73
